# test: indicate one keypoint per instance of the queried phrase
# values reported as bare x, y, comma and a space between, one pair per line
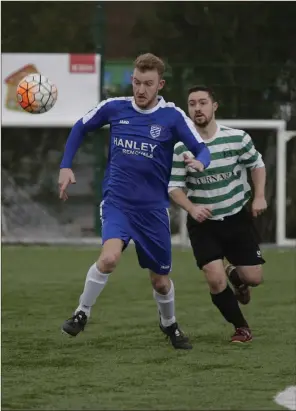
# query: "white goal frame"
181, 239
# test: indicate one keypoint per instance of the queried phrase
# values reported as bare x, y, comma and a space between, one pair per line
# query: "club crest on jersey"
155, 131
227, 153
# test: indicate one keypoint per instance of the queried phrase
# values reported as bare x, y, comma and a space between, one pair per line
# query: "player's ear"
161, 84
215, 105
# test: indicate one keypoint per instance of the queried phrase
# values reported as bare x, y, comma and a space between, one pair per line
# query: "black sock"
227, 304
235, 278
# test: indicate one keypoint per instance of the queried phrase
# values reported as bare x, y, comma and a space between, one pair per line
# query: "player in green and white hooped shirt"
218, 223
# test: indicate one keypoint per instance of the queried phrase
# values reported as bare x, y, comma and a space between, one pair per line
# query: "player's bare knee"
216, 284
215, 276
256, 276
160, 283
108, 261
110, 255
253, 275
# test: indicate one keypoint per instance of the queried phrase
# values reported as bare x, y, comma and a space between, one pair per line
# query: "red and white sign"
82, 63
77, 78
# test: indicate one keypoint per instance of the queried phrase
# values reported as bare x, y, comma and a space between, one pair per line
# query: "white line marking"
287, 398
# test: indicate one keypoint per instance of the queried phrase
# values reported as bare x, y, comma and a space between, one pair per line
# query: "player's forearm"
73, 143
180, 198
258, 176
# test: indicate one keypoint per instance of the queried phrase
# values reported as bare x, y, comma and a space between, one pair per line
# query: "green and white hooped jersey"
223, 185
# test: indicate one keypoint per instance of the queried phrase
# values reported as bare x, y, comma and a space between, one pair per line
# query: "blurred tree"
52, 27
238, 48
245, 51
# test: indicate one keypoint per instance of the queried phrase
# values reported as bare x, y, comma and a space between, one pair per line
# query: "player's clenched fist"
259, 205
66, 177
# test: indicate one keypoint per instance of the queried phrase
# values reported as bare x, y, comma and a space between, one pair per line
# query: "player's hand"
259, 205
200, 213
66, 177
192, 162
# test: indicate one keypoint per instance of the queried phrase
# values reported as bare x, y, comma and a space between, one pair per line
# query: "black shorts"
235, 238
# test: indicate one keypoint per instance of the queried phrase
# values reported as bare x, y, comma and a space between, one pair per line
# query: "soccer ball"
36, 94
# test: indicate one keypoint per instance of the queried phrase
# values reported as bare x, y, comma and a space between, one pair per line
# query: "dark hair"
149, 61
208, 90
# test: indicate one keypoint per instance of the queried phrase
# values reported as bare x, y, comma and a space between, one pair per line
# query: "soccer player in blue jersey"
143, 131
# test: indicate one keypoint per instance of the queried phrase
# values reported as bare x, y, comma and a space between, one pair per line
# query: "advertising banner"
76, 76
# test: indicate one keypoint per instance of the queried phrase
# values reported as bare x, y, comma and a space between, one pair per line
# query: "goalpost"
23, 221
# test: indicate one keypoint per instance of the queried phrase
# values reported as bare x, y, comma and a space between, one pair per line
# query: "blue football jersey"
140, 151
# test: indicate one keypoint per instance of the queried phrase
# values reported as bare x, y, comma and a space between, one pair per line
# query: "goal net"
25, 220
22, 218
